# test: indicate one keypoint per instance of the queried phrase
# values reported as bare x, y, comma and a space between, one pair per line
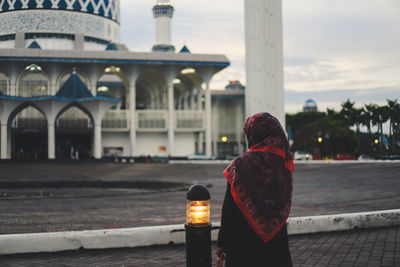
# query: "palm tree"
366, 120
379, 117
394, 116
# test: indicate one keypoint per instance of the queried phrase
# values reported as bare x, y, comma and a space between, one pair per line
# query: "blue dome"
104, 8
310, 105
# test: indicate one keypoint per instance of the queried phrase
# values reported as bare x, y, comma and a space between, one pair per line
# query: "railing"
151, 120
189, 120
116, 120
74, 118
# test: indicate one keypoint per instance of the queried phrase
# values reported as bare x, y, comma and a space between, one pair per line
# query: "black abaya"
243, 247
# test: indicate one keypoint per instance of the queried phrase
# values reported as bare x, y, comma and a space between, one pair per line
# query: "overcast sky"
333, 49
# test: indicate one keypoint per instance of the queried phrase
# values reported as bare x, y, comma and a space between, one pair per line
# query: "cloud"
329, 46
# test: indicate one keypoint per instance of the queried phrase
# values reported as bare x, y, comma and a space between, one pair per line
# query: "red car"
345, 157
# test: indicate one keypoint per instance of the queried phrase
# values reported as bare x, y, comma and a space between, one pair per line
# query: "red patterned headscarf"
261, 179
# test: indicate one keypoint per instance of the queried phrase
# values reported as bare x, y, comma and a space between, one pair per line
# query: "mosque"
70, 89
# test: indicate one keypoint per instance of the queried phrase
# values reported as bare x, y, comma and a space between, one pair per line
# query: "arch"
4, 83
28, 125
114, 84
33, 81
151, 87
74, 132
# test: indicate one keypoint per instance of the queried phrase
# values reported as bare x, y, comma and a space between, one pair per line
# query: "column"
97, 139
171, 117
208, 119
239, 126
13, 86
132, 116
51, 140
3, 140
93, 84
215, 124
201, 134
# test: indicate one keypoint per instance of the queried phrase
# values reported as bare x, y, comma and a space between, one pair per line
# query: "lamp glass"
198, 212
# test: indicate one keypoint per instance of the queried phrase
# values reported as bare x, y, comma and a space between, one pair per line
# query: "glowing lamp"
198, 206
198, 227
376, 141
319, 139
224, 139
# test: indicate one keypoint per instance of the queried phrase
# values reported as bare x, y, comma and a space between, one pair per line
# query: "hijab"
261, 179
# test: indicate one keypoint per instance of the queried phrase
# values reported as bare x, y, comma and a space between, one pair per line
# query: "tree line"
326, 134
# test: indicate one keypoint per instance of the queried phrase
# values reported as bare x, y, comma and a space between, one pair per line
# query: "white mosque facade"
67, 84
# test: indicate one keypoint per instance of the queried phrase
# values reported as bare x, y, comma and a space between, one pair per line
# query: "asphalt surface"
372, 247
318, 189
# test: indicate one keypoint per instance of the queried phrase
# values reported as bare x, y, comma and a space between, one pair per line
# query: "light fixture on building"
112, 69
188, 71
224, 139
33, 67
320, 139
376, 141
102, 89
176, 81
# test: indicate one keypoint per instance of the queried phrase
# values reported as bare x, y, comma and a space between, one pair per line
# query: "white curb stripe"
162, 235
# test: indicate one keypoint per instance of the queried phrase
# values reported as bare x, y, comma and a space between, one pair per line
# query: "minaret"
264, 58
163, 12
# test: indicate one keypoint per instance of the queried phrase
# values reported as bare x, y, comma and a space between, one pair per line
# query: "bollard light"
198, 227
198, 212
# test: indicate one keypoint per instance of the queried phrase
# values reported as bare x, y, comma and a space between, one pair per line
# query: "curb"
227, 162
175, 234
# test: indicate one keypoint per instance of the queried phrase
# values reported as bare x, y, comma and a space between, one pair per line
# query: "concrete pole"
171, 117
51, 140
97, 139
4, 141
208, 119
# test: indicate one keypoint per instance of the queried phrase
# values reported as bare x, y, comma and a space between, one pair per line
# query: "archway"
151, 90
74, 133
3, 84
28, 133
113, 84
33, 81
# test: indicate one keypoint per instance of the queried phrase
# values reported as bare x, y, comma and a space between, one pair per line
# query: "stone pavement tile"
323, 249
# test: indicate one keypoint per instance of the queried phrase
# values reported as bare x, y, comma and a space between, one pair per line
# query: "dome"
104, 8
96, 19
310, 105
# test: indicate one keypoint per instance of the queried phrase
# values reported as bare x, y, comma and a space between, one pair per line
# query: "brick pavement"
318, 189
367, 247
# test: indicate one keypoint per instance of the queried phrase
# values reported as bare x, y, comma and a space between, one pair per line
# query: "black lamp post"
198, 227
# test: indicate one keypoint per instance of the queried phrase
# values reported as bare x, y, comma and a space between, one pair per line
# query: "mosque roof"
184, 49
111, 47
34, 45
74, 87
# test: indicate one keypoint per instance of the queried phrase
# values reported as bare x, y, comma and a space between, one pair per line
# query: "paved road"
318, 189
372, 247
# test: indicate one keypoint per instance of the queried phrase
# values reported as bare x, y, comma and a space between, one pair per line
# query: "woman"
258, 199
